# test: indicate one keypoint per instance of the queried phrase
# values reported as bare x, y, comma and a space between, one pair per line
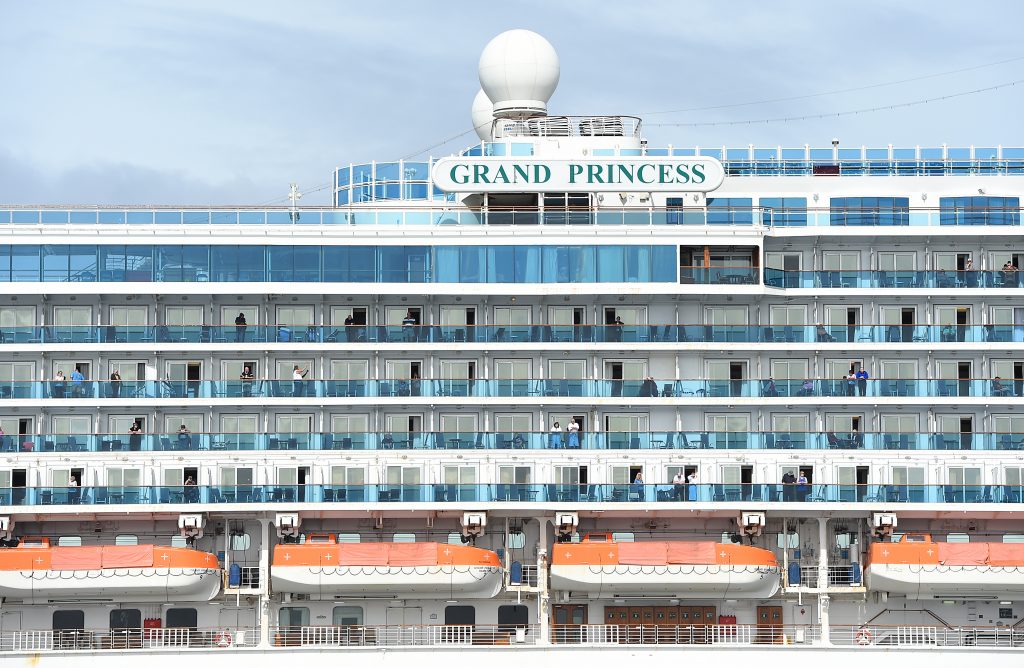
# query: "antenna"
294, 196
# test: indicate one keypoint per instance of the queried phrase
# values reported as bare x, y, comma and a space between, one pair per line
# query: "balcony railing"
510, 388
169, 639
515, 334
404, 636
670, 634
479, 440
942, 279
928, 636
839, 575
434, 493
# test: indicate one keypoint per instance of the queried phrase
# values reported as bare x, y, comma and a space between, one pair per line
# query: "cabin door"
10, 621
402, 623
567, 622
769, 624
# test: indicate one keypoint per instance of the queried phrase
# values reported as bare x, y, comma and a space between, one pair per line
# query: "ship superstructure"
561, 391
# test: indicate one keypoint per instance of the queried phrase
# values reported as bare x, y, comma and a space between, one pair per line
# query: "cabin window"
459, 615
623, 537
126, 539
293, 616
69, 541
513, 615
516, 541
349, 538
789, 540
455, 538
127, 618
178, 541
182, 618
68, 620
347, 615
958, 538
1013, 538
240, 541
404, 538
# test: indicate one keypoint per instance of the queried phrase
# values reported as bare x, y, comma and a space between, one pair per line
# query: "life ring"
863, 637
223, 639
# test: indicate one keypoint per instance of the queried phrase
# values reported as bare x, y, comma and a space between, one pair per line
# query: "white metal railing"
664, 634
122, 639
529, 578
928, 636
403, 636
839, 575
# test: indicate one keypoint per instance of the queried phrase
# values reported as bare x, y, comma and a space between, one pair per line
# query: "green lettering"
682, 174
698, 173
455, 177
520, 172
594, 174
574, 171
480, 174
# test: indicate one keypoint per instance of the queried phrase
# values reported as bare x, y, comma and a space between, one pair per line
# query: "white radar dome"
519, 71
483, 115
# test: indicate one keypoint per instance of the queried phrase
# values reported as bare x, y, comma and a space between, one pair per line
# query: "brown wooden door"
617, 615
566, 623
769, 624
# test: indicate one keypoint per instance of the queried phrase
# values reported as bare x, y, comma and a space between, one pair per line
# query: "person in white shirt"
691, 483
556, 436
679, 486
574, 434
297, 384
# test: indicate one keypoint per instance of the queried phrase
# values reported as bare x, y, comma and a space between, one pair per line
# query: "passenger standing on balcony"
135, 437
350, 328
240, 326
638, 485
822, 334
59, 385
616, 329
298, 386
246, 377
862, 382
851, 384
769, 389
77, 383
184, 438
408, 326
802, 488
679, 486
573, 430
74, 489
788, 481
556, 436
649, 388
115, 384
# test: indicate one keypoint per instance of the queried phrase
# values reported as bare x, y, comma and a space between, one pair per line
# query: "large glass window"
784, 211
870, 211
730, 211
979, 211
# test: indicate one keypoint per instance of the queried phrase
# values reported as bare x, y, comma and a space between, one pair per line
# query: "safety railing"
479, 440
439, 493
941, 279
839, 575
404, 636
171, 639
671, 634
514, 334
517, 388
872, 635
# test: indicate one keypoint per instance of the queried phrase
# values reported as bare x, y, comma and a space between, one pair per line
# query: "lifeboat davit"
34, 572
408, 570
918, 567
674, 568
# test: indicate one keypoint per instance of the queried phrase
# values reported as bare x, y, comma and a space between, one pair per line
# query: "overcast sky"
226, 102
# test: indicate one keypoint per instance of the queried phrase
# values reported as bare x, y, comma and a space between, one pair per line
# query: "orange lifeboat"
34, 572
410, 570
918, 567
663, 568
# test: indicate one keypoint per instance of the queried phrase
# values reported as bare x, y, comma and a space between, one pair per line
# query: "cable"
835, 114
835, 92
442, 143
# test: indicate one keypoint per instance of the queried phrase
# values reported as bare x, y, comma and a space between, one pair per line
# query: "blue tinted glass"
55, 263
224, 217
252, 217
387, 171
195, 217
446, 264
362, 173
279, 218
343, 176
904, 154
664, 264
362, 267
794, 154
25, 217
81, 217
140, 217
54, 217
112, 217
415, 171
82, 264
494, 149
415, 191
25, 263
878, 153
168, 217
5, 217
282, 263
342, 198
611, 264
520, 149
307, 264
501, 266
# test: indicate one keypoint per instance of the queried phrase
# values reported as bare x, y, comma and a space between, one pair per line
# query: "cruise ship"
561, 395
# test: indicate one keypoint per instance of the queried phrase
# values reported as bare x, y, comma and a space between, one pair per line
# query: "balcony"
646, 440
560, 493
903, 280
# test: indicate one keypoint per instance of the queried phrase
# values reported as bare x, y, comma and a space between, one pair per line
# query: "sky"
207, 102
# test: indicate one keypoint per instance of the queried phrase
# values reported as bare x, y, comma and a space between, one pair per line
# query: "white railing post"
823, 580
